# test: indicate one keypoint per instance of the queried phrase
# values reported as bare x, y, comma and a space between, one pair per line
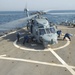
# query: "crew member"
18, 36
26, 39
59, 33
68, 36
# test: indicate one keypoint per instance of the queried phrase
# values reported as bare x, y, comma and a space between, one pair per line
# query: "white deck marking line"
3, 55
33, 61
72, 67
68, 42
11, 33
7, 34
62, 61
29, 49
24, 48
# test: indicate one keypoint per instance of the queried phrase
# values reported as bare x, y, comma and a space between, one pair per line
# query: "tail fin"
27, 13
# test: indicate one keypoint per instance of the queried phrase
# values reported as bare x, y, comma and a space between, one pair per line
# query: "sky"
19, 5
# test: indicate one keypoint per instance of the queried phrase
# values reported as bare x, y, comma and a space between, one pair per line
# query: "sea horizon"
56, 17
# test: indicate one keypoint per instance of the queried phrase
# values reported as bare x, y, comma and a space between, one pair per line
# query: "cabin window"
52, 30
42, 31
41, 26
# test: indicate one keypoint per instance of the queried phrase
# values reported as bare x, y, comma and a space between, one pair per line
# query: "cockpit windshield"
52, 30
42, 31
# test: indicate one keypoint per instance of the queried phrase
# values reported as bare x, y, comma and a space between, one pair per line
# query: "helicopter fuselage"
43, 32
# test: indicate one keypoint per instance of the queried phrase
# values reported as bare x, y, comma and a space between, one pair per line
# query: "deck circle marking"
29, 49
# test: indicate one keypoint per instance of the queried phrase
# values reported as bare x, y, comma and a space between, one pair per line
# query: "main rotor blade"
46, 11
16, 24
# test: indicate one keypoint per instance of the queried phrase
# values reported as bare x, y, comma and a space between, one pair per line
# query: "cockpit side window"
52, 30
47, 30
42, 31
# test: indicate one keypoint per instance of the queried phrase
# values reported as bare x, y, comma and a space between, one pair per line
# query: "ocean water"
8, 16
53, 16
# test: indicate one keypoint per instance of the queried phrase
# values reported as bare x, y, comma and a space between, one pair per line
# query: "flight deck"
34, 59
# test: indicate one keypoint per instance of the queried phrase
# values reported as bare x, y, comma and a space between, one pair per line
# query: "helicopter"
41, 29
